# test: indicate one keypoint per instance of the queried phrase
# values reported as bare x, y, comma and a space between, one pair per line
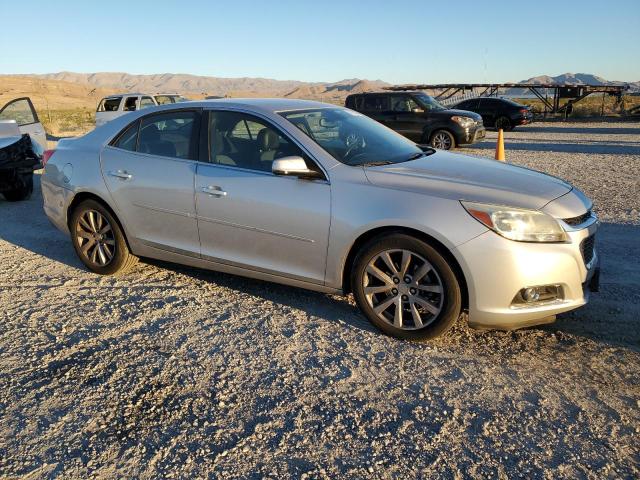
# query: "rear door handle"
121, 174
214, 191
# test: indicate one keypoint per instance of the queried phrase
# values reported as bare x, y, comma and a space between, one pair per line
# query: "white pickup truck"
114, 106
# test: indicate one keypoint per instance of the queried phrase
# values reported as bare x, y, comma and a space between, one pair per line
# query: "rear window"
109, 104
375, 103
168, 135
129, 138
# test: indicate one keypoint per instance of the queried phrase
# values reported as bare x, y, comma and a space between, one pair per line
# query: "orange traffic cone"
500, 146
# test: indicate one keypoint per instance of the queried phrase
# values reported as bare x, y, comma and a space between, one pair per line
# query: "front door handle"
214, 191
121, 174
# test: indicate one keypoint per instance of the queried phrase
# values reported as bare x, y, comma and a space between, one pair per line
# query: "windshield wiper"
377, 164
425, 153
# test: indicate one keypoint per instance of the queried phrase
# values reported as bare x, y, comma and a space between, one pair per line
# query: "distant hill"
68, 90
575, 79
200, 86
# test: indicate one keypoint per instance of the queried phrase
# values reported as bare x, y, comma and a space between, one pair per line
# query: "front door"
22, 111
406, 117
251, 218
149, 171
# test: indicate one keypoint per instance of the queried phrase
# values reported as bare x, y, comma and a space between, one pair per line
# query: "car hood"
462, 113
461, 177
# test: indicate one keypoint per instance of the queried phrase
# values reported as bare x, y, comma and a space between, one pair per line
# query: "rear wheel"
504, 123
22, 192
406, 288
443, 140
99, 240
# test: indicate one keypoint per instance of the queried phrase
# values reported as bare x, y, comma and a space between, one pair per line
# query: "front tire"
442, 140
98, 239
23, 192
405, 287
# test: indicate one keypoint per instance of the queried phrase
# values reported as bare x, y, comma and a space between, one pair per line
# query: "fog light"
533, 296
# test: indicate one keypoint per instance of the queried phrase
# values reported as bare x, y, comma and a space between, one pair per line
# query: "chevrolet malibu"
321, 197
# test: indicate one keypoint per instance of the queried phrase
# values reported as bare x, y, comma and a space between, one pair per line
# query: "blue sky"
393, 40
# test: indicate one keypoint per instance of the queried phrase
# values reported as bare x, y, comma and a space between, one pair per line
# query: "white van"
114, 106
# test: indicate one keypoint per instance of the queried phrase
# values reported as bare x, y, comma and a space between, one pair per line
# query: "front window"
240, 140
146, 102
403, 103
352, 138
130, 104
427, 102
166, 99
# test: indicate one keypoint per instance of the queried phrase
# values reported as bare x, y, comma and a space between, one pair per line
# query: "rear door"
487, 109
376, 107
149, 170
22, 111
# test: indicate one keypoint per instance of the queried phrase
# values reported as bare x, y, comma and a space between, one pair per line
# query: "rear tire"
98, 239
21, 193
405, 287
504, 123
442, 140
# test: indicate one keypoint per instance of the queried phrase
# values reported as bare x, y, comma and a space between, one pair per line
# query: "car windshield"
428, 103
354, 139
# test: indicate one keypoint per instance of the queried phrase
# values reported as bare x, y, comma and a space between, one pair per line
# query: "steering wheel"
354, 142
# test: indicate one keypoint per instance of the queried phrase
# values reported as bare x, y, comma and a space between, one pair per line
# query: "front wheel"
406, 288
99, 240
442, 140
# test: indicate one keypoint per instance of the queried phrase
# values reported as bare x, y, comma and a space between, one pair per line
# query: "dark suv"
498, 112
420, 118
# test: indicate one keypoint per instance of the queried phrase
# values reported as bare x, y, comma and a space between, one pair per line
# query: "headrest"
268, 139
150, 133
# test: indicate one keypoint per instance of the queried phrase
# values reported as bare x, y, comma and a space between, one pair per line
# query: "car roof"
270, 105
389, 92
130, 94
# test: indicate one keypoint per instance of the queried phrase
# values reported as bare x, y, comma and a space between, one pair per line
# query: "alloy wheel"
441, 141
403, 289
95, 238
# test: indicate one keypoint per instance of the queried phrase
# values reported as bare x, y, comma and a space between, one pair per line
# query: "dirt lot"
176, 372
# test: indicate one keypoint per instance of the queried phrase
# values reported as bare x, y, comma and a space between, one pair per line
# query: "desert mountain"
200, 86
574, 79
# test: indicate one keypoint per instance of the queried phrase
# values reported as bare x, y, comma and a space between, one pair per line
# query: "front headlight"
517, 223
464, 122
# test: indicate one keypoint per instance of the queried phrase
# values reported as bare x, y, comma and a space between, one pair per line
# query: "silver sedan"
321, 197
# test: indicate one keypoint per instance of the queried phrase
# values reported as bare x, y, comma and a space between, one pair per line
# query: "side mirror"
417, 110
294, 167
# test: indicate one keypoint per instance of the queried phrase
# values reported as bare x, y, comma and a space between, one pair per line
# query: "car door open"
250, 218
23, 112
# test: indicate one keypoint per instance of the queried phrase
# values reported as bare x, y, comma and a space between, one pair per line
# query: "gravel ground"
176, 372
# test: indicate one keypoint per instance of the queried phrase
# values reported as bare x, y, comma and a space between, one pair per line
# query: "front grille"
587, 248
573, 221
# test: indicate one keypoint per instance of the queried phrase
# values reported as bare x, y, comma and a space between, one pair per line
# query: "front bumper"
470, 135
496, 269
